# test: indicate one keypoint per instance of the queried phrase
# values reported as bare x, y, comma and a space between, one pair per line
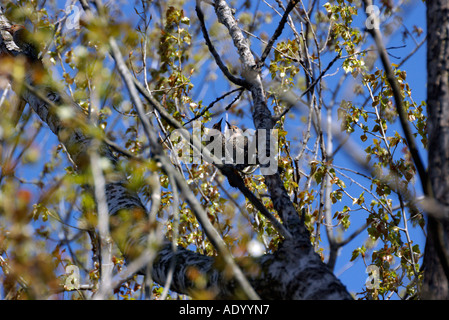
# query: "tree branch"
240, 90
221, 65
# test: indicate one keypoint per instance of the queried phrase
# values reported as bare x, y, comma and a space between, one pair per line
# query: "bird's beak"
229, 125
217, 126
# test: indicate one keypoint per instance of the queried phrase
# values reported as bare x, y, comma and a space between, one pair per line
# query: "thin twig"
213, 103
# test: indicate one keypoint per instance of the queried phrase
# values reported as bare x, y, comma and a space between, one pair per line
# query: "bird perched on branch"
24, 40
241, 149
233, 147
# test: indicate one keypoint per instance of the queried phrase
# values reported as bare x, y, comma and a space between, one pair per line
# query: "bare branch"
199, 115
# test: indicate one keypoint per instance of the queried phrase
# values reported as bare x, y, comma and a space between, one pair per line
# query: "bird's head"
14, 28
217, 126
234, 129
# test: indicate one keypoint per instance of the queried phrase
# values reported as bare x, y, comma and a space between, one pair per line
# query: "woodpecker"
237, 144
240, 149
233, 147
24, 40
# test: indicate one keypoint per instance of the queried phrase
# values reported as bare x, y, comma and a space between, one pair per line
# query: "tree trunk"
435, 284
